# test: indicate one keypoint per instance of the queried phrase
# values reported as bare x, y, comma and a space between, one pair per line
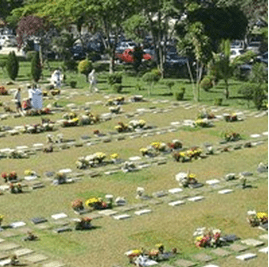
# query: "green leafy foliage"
114, 78
85, 67
36, 68
12, 66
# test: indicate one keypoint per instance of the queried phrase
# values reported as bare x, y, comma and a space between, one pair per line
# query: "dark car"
78, 52
174, 60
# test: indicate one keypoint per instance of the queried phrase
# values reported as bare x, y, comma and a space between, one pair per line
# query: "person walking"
17, 98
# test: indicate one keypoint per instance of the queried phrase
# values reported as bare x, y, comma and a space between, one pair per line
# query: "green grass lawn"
172, 226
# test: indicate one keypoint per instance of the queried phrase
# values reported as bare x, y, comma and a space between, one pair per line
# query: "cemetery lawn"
172, 226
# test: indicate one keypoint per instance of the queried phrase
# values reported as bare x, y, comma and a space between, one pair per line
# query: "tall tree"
12, 66
36, 67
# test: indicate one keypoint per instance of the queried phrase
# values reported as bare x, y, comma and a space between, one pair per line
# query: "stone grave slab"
2, 240
160, 194
212, 182
5, 246
255, 135
62, 229
17, 224
54, 264
35, 258
184, 263
8, 233
221, 252
58, 216
175, 190
195, 199
95, 216
196, 185
252, 242
35, 186
122, 217
5, 262
225, 191
142, 212
30, 178
61, 222
38, 146
108, 212
237, 248
246, 256
211, 265
136, 158
24, 230
166, 265
4, 187
66, 171
23, 252
3, 255
155, 201
203, 257
38, 220
263, 250
265, 237
43, 226
265, 133
176, 203
125, 208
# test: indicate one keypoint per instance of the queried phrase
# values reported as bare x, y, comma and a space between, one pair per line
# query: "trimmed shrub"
36, 68
180, 95
114, 78
12, 66
73, 84
117, 87
85, 67
206, 83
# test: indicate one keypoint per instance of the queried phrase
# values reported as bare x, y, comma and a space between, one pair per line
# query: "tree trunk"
226, 89
192, 80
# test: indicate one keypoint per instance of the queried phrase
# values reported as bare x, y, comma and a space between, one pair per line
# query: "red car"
127, 56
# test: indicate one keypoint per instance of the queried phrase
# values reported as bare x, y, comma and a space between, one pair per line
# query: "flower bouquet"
206, 115
83, 224
45, 111
77, 205
3, 90
159, 146
230, 117
4, 175
176, 144
180, 156
60, 178
114, 157
256, 219
122, 127
203, 123
194, 152
230, 137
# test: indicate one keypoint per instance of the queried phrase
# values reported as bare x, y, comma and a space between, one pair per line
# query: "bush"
180, 95
73, 84
114, 78
85, 67
70, 65
259, 96
12, 66
218, 101
36, 68
139, 87
117, 87
206, 83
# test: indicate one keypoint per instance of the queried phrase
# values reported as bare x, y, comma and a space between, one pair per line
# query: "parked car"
8, 40
174, 60
254, 46
235, 52
240, 44
78, 52
127, 56
263, 58
126, 45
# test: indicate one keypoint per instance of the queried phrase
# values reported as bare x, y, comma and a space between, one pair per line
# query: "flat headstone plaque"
108, 212
225, 191
195, 199
43, 226
122, 217
5, 262
264, 250
3, 256
252, 242
196, 185
17, 224
237, 248
176, 203
230, 238
8, 233
8, 246
58, 216
221, 252
184, 263
255, 135
65, 171
49, 174
202, 257
2, 240
265, 237
142, 212
212, 182
35, 258
54, 264
135, 158
246, 256
62, 229
175, 190
37, 220
160, 194
265, 133
23, 252
211, 265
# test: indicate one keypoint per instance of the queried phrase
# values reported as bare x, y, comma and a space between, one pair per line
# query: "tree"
85, 67
151, 78
12, 66
32, 26
36, 67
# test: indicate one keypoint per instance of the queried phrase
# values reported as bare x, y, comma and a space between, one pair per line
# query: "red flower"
4, 175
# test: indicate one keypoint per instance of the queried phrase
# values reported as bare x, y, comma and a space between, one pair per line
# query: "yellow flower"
261, 215
199, 238
182, 154
141, 122
91, 201
143, 150
192, 175
114, 156
159, 245
27, 172
74, 120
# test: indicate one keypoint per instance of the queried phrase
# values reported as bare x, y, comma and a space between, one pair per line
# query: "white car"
8, 40
235, 52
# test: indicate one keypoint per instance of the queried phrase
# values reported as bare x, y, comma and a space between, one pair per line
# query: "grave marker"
264, 250
35, 258
54, 264
252, 242
246, 256
142, 212
184, 263
122, 217
176, 203
203, 257
195, 199
58, 216
23, 252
